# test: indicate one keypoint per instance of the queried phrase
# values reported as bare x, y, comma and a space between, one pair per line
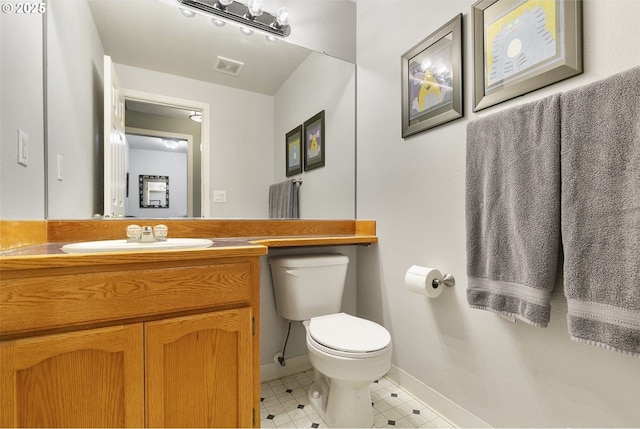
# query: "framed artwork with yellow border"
523, 45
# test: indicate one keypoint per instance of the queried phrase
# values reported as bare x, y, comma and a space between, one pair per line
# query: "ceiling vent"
225, 65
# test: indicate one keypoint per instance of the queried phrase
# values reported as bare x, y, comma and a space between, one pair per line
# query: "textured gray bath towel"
601, 211
513, 210
283, 200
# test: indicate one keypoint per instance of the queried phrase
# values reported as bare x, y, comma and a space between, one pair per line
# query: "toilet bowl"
348, 354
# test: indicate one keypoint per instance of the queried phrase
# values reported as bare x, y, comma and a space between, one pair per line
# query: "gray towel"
283, 200
513, 210
601, 211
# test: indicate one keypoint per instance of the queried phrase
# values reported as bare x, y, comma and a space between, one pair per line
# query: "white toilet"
348, 353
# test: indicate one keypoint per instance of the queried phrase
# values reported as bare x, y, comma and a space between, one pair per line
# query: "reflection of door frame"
178, 136
205, 157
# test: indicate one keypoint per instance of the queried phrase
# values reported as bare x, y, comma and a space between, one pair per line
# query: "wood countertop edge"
65, 260
316, 241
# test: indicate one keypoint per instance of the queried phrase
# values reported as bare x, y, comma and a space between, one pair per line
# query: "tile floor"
284, 404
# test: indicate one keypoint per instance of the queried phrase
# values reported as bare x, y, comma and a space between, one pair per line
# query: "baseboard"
448, 409
294, 365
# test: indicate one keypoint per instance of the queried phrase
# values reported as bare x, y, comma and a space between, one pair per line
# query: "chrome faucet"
147, 235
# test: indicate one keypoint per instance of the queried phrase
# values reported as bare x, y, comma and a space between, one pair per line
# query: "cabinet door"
199, 370
91, 378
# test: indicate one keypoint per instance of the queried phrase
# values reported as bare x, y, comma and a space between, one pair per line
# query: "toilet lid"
348, 333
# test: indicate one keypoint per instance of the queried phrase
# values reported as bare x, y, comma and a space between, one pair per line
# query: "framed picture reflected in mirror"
314, 142
154, 191
293, 151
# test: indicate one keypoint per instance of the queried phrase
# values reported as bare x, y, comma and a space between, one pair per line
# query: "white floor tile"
285, 404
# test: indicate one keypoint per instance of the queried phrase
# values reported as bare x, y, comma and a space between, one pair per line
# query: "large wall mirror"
252, 92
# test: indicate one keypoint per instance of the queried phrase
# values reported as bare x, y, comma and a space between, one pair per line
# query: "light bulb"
196, 116
187, 13
222, 4
246, 31
255, 8
170, 144
282, 16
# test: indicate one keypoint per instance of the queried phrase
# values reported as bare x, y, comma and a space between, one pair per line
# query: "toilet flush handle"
292, 272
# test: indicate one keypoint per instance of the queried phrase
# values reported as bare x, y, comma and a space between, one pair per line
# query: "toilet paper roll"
420, 280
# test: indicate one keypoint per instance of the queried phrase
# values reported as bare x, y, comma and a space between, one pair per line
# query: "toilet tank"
307, 286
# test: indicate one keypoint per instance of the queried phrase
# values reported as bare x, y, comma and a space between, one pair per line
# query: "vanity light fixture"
196, 116
250, 15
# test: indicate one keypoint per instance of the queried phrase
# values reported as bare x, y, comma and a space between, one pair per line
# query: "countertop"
224, 233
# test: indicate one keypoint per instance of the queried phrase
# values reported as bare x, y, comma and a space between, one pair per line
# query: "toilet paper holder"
447, 280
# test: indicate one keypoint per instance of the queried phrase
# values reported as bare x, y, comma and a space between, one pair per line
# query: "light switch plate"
23, 142
219, 196
60, 175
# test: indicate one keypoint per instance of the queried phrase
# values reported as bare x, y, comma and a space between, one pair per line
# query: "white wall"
321, 83
21, 107
241, 143
509, 375
322, 25
74, 109
158, 163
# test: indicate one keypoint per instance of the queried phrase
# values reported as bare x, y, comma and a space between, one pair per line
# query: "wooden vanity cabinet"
92, 378
196, 371
181, 351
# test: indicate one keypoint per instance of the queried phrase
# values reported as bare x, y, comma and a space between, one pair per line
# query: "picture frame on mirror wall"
314, 142
520, 46
432, 92
293, 151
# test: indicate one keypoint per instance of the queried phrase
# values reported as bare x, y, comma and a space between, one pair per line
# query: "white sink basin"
123, 245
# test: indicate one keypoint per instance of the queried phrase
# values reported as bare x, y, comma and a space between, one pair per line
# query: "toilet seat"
344, 335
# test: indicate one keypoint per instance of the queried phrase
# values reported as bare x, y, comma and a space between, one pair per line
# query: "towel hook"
448, 280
